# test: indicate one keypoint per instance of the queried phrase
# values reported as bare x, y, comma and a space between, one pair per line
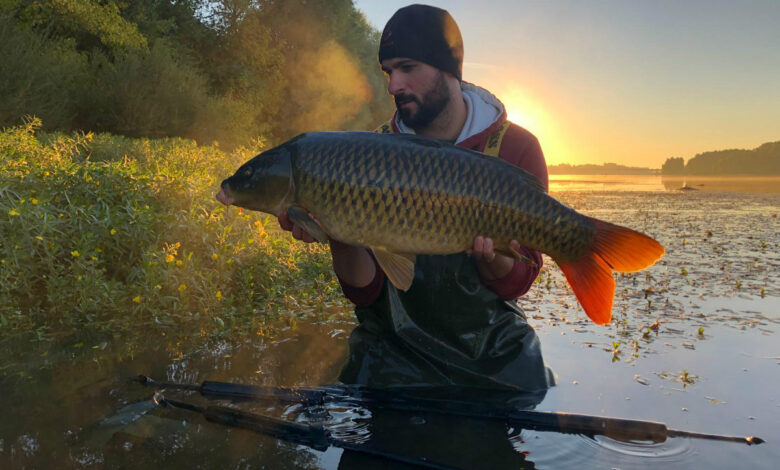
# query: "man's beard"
428, 107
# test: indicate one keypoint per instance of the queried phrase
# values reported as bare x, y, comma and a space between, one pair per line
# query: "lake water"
694, 345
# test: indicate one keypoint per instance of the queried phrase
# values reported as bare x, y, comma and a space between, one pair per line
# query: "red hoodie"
518, 147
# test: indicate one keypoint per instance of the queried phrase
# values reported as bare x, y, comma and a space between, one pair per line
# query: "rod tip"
752, 440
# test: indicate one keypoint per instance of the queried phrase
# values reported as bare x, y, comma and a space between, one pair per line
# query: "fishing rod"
315, 437
620, 429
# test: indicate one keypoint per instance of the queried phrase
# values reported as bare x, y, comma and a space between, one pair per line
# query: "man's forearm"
352, 264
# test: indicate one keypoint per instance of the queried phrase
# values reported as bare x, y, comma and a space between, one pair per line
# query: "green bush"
111, 233
40, 76
144, 93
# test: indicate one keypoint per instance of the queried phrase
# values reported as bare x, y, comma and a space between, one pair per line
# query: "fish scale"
437, 203
402, 195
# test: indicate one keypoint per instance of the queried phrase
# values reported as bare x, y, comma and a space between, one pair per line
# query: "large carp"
400, 195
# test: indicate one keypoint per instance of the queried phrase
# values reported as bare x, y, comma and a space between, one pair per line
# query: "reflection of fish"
402, 195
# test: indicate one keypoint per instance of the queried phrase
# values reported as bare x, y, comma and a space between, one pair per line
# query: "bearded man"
458, 323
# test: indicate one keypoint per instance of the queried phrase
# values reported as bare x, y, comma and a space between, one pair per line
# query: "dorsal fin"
529, 178
420, 140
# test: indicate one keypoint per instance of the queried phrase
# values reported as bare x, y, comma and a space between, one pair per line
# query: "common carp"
400, 195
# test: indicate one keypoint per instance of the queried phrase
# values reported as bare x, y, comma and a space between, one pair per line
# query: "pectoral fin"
399, 268
301, 217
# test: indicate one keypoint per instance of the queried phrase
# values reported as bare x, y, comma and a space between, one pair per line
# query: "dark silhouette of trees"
763, 160
673, 166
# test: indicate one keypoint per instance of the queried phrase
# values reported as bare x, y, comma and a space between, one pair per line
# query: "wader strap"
386, 128
492, 146
494, 140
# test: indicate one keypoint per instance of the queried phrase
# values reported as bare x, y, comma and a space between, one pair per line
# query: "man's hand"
297, 231
352, 264
491, 265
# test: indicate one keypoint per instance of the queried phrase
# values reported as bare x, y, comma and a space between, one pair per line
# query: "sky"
631, 82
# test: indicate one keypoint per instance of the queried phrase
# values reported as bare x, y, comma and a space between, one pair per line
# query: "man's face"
420, 90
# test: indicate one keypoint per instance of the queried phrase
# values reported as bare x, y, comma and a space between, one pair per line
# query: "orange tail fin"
613, 247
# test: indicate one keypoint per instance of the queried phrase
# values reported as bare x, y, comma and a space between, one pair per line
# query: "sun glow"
521, 110
529, 113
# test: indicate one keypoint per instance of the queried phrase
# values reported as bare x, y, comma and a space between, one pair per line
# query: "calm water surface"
694, 345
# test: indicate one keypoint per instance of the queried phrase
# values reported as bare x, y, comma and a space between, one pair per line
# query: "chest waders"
447, 329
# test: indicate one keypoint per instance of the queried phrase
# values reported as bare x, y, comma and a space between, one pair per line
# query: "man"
456, 325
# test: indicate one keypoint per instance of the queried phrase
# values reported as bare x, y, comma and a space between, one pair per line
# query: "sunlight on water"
750, 184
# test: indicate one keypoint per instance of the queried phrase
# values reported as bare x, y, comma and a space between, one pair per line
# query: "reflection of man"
455, 324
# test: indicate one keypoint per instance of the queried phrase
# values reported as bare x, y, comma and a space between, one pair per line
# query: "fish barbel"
400, 195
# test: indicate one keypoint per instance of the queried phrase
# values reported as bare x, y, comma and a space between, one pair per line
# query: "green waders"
447, 329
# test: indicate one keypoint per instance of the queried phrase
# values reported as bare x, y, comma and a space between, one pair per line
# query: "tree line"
232, 71
603, 169
762, 160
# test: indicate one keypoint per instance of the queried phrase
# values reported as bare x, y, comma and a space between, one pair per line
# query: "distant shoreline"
604, 169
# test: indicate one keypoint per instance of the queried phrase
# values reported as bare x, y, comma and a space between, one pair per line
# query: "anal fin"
399, 268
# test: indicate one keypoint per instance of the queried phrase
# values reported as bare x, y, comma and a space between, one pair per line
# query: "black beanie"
424, 33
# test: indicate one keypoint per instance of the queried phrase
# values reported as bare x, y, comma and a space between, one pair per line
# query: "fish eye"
248, 172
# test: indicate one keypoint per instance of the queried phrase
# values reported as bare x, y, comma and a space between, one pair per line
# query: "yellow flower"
34, 201
13, 212
158, 287
169, 258
219, 295
182, 287
214, 256
113, 231
75, 254
94, 258
179, 262
39, 238
46, 173
137, 299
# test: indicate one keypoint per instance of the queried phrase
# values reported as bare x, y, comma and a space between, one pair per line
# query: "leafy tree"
227, 70
673, 166
41, 76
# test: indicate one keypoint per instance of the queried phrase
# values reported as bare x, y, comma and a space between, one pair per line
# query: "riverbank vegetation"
108, 235
227, 71
117, 122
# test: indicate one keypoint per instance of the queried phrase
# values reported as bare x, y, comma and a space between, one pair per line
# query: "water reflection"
714, 301
737, 184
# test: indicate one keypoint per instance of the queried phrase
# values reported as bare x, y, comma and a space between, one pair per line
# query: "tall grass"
100, 233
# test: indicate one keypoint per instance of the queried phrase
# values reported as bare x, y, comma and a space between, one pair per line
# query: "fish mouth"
224, 197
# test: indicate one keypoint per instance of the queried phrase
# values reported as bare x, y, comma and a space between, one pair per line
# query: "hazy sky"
624, 81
